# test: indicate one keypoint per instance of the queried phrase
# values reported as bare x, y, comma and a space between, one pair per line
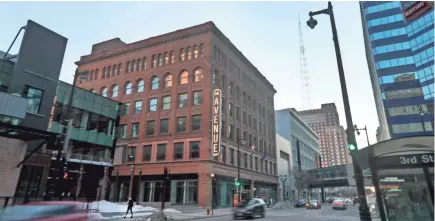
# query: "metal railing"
83, 158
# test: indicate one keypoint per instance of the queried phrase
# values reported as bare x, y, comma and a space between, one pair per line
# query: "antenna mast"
305, 90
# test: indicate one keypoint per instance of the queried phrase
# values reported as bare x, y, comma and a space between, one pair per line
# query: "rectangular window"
161, 152
230, 109
134, 130
178, 151
182, 100
138, 107
238, 113
164, 126
256, 164
245, 160
230, 132
181, 124
224, 154
232, 156
125, 108
166, 103
196, 122
194, 150
198, 97
150, 127
244, 117
250, 162
122, 131
130, 154
34, 99
153, 104
146, 154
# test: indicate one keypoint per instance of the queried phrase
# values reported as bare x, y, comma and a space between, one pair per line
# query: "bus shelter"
402, 172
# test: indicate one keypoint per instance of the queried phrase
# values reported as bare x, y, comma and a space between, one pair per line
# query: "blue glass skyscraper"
399, 42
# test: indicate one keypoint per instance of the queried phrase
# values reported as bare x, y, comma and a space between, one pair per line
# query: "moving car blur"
339, 204
313, 204
300, 203
45, 211
250, 208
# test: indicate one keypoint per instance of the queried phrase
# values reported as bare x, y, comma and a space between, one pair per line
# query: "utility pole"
79, 181
364, 211
283, 180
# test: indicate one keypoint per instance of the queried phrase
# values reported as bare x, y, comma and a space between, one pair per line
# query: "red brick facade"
210, 51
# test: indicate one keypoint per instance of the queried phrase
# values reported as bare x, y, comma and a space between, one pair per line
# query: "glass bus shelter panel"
406, 195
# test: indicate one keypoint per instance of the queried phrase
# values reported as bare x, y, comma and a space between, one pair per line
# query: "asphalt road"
302, 214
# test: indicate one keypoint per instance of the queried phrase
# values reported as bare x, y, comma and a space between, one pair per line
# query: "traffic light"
166, 173
352, 147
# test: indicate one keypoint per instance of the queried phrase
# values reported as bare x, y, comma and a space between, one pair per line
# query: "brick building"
333, 139
165, 84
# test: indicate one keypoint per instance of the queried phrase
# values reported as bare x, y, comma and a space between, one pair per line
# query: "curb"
202, 217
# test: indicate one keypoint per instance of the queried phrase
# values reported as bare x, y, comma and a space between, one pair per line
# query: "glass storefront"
406, 195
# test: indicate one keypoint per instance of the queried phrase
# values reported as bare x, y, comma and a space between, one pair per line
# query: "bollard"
208, 211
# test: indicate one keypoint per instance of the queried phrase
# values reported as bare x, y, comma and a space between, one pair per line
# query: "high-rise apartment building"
399, 42
332, 137
165, 84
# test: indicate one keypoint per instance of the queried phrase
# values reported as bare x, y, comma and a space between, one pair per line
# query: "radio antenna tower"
305, 90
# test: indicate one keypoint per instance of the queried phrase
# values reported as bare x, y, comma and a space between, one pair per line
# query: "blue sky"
266, 33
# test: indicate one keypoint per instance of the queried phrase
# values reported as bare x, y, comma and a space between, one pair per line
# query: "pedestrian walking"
129, 207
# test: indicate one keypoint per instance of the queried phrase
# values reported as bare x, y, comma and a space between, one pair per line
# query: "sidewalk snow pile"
109, 207
170, 210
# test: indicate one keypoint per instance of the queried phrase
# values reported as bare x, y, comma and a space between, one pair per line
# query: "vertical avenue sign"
216, 122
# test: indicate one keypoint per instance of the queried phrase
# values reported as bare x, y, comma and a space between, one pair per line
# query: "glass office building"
399, 41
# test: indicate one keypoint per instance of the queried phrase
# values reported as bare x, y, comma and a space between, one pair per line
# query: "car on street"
313, 204
301, 203
250, 208
339, 205
45, 211
330, 200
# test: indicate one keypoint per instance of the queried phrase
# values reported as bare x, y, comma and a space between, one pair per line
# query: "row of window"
411, 127
394, 62
423, 75
391, 48
421, 23
154, 83
193, 153
249, 161
150, 127
407, 110
424, 57
382, 7
387, 34
141, 64
422, 40
385, 20
403, 93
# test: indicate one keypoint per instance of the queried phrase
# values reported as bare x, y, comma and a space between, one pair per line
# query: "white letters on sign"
216, 122
420, 159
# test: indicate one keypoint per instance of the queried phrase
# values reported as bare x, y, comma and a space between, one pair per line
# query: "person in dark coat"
129, 207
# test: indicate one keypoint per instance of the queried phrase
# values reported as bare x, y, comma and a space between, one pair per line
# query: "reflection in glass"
184, 77
168, 81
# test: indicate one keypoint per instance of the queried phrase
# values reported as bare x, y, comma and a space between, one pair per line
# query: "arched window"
154, 59
216, 78
168, 81
155, 83
138, 65
96, 74
198, 75
104, 92
127, 67
144, 63
115, 91
140, 85
172, 57
133, 65
184, 77
166, 58
189, 53
114, 70
128, 87
182, 55
160, 60
195, 51
201, 50
119, 69
104, 73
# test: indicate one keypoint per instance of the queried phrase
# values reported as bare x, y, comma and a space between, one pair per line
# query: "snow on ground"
109, 207
170, 210
98, 216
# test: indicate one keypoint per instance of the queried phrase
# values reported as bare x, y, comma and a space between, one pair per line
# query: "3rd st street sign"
216, 122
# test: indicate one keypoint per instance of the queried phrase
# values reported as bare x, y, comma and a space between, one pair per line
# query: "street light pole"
238, 169
363, 208
365, 129
283, 179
